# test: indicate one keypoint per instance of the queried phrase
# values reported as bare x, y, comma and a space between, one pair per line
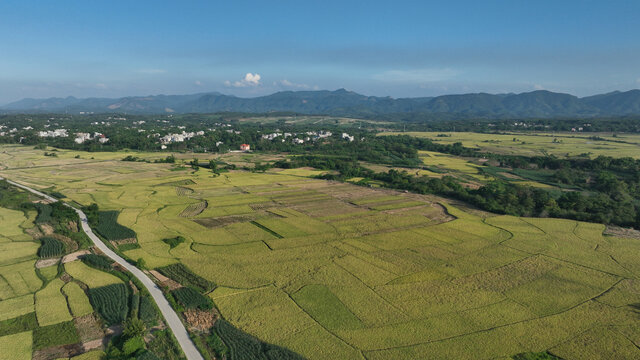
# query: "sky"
250, 48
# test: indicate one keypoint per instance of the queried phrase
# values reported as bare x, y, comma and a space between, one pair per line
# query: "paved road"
169, 314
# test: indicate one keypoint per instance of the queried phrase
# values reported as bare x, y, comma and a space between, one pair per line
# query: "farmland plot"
336, 271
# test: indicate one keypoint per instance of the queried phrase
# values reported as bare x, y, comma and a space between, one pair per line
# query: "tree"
133, 327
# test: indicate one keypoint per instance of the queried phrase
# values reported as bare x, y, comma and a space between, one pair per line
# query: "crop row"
111, 302
186, 277
243, 346
109, 228
192, 299
50, 247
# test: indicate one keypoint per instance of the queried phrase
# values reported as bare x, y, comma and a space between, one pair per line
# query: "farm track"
171, 317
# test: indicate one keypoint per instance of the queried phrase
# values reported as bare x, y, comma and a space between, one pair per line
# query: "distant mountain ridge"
540, 103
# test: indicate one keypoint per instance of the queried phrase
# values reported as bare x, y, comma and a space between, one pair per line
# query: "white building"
347, 137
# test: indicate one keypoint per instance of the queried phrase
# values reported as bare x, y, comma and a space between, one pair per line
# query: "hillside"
541, 103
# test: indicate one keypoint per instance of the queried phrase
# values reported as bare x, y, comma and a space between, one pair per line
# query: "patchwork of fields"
537, 144
39, 312
334, 270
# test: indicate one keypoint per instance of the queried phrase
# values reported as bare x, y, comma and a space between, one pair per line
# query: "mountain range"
540, 104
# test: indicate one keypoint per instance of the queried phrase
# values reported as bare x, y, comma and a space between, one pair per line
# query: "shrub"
132, 345
50, 247
173, 242
97, 261
44, 213
165, 344
111, 302
183, 275
147, 311
192, 299
128, 246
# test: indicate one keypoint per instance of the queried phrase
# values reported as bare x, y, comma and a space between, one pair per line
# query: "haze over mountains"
541, 103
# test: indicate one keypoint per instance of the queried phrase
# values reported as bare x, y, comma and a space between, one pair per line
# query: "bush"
173, 242
50, 247
217, 345
132, 345
109, 228
184, 276
44, 213
165, 344
111, 302
192, 299
147, 311
97, 261
128, 246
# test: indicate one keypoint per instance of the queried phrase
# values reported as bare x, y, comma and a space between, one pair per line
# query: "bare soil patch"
171, 284
89, 328
65, 351
200, 319
74, 256
46, 263
622, 232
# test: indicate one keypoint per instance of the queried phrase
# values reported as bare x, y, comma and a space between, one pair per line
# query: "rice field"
51, 305
332, 270
16, 346
536, 144
89, 276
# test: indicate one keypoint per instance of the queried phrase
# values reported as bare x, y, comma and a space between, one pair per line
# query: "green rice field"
337, 271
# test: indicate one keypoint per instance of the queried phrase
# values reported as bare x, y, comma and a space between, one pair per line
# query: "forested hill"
539, 104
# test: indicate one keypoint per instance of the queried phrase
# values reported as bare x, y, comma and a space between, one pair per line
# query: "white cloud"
638, 80
290, 85
197, 83
416, 76
101, 86
538, 87
248, 80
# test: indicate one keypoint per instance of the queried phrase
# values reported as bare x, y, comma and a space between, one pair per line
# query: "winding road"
172, 319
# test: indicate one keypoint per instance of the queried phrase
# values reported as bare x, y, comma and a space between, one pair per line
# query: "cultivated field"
533, 144
337, 271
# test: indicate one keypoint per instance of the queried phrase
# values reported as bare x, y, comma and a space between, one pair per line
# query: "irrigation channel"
172, 319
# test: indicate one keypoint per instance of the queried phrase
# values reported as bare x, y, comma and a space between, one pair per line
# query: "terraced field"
334, 270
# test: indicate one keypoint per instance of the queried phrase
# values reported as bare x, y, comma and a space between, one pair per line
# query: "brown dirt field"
47, 229
171, 284
74, 256
200, 319
124, 241
46, 263
69, 244
88, 328
65, 351
34, 232
622, 232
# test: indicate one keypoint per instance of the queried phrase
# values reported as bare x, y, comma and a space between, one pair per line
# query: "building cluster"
348, 137
54, 133
171, 138
580, 128
82, 137
298, 138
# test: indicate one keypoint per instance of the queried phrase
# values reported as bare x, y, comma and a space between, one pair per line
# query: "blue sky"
249, 48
